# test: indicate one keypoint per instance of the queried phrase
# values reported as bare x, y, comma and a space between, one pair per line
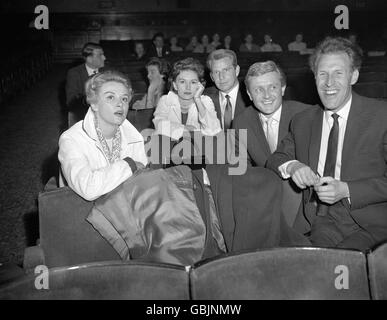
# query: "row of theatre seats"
23, 65
83, 265
301, 85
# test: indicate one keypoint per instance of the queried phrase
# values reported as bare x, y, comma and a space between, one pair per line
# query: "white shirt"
276, 117
223, 101
326, 127
91, 71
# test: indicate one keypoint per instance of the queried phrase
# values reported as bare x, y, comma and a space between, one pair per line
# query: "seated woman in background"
174, 44
216, 41
248, 45
205, 46
269, 45
227, 43
192, 44
102, 151
139, 52
157, 72
185, 108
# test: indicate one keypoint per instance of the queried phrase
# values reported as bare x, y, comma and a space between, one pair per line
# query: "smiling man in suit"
229, 97
267, 123
344, 143
94, 58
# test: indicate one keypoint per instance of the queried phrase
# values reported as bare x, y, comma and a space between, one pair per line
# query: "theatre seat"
65, 237
377, 268
283, 273
104, 280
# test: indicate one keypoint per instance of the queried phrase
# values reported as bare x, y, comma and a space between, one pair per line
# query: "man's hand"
199, 91
330, 190
302, 175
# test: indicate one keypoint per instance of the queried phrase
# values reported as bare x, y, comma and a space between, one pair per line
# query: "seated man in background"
158, 48
94, 58
267, 122
338, 155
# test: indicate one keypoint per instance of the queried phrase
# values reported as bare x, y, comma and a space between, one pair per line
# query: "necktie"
270, 134
330, 160
227, 113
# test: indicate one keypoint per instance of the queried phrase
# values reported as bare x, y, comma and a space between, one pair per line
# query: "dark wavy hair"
191, 64
336, 45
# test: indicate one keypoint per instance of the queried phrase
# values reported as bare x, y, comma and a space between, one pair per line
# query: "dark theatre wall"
72, 23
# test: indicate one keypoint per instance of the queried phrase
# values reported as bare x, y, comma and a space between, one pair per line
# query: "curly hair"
336, 45
94, 84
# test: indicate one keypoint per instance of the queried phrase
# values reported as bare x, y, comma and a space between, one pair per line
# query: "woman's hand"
199, 91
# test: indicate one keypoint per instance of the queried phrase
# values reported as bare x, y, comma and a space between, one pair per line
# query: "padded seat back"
283, 273
377, 269
107, 280
65, 236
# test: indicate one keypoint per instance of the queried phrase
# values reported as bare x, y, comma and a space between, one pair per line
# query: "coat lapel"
256, 125
284, 122
354, 129
215, 98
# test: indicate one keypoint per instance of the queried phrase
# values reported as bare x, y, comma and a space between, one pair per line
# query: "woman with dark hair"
103, 150
193, 43
184, 108
157, 72
174, 41
249, 45
227, 43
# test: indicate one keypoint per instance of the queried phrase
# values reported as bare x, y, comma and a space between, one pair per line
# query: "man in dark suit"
267, 123
94, 58
158, 47
338, 155
229, 97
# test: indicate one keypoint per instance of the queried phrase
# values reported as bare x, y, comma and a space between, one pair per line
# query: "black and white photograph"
193, 154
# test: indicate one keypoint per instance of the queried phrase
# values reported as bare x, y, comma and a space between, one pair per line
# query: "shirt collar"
343, 112
233, 93
276, 115
90, 71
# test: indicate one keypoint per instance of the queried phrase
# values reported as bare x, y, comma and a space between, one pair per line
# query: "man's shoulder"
304, 112
296, 106
211, 91
246, 116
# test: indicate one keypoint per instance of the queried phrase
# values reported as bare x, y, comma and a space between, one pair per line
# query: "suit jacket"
242, 101
152, 52
258, 150
75, 91
363, 164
